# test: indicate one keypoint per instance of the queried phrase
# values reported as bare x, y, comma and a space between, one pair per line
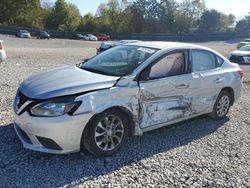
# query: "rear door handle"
182, 86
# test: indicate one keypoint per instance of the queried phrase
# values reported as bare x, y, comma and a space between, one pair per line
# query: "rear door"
207, 67
166, 89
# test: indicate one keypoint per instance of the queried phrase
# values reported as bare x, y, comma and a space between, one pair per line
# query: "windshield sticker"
147, 50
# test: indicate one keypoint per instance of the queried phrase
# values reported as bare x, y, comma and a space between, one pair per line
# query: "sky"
239, 8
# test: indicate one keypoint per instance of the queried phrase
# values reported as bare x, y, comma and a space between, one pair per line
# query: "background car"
107, 45
128, 90
2, 52
79, 36
103, 37
23, 34
243, 43
90, 37
43, 35
242, 55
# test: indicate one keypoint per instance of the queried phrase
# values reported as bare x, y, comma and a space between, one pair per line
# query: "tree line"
122, 16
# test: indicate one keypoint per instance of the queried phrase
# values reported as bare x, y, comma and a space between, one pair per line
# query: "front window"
172, 64
118, 61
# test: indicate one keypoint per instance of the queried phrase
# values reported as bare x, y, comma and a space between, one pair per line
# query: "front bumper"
57, 135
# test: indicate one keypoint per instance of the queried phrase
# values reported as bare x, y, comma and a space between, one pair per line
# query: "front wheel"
222, 105
106, 133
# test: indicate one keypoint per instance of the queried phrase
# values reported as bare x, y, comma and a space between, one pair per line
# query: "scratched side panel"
162, 100
99, 101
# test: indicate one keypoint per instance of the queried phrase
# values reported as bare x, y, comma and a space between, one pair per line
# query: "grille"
235, 58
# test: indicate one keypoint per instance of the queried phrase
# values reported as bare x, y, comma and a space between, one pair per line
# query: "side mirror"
83, 61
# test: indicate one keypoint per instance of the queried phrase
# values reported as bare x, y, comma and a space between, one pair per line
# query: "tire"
222, 105
105, 133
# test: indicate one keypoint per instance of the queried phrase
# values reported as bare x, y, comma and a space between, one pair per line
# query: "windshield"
118, 61
245, 48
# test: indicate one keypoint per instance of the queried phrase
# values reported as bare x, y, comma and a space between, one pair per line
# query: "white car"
126, 90
90, 37
2, 52
242, 55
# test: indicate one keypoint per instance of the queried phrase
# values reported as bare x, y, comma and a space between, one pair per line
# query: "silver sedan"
127, 90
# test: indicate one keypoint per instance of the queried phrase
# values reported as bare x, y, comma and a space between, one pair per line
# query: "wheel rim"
223, 106
109, 133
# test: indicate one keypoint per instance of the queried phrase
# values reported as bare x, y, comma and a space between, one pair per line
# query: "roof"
162, 45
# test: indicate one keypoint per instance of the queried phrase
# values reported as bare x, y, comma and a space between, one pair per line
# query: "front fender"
101, 100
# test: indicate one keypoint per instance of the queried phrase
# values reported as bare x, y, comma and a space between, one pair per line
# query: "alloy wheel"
223, 106
109, 132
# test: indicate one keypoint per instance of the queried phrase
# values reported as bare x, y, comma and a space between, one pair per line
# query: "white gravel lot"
196, 153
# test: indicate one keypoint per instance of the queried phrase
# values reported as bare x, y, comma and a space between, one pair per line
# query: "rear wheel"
106, 133
222, 105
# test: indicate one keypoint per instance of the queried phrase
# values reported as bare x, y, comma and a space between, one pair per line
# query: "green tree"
214, 21
64, 16
243, 25
146, 15
167, 15
21, 13
189, 11
88, 23
74, 18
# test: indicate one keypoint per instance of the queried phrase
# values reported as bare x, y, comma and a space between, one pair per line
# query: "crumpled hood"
66, 80
240, 53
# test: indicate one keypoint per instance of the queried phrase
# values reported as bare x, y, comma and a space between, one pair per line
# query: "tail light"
241, 72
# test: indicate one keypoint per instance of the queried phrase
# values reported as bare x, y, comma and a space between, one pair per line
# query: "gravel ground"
196, 153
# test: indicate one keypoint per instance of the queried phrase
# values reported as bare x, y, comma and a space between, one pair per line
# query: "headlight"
53, 109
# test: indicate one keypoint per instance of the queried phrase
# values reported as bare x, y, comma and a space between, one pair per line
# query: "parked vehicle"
23, 34
242, 55
79, 36
243, 43
43, 35
90, 37
103, 37
104, 46
127, 90
107, 45
2, 52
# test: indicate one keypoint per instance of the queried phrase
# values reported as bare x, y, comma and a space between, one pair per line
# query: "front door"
166, 90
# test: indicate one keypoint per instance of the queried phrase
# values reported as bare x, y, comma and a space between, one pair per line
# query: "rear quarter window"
220, 61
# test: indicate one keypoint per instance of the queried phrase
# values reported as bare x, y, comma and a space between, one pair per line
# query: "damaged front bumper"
57, 135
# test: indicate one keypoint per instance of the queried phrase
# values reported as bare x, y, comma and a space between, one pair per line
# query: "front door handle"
182, 86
